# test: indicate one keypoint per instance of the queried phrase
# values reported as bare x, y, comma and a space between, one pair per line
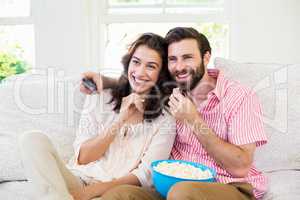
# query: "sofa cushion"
37, 102
16, 190
10, 163
278, 88
284, 185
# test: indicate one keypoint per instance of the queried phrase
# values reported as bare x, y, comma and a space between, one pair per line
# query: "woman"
120, 132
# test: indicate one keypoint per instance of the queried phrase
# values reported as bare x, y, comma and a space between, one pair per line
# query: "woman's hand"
102, 82
93, 190
81, 194
131, 104
96, 78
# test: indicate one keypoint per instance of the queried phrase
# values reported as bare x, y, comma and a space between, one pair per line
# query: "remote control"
89, 84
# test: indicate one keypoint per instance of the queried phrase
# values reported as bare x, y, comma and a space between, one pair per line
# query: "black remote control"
89, 84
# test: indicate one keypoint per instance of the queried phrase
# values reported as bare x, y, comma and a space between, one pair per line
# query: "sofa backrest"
41, 102
278, 88
53, 105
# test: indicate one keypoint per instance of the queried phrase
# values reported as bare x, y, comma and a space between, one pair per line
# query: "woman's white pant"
51, 179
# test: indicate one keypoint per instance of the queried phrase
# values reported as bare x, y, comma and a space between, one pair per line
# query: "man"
219, 124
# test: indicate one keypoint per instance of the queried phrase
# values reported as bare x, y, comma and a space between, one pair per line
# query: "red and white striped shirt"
234, 113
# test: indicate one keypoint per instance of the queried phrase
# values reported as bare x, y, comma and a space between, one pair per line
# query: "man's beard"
196, 76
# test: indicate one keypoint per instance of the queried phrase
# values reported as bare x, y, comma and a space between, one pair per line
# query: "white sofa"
53, 103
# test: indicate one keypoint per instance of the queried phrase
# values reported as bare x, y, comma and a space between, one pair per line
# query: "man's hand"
182, 107
96, 77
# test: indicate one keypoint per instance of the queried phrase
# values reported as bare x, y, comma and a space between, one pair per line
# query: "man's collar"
218, 91
219, 75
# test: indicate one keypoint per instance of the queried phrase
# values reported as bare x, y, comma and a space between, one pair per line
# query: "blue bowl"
163, 183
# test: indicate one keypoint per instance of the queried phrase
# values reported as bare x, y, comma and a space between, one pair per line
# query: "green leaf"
10, 64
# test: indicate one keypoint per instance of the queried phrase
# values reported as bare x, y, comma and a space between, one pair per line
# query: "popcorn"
182, 170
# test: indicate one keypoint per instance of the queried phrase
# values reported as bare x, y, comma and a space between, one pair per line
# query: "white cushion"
36, 102
278, 88
284, 185
10, 163
16, 190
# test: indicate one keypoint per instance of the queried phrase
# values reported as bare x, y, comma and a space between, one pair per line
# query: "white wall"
261, 31
265, 31
59, 32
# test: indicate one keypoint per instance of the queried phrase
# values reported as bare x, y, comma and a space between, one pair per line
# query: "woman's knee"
33, 139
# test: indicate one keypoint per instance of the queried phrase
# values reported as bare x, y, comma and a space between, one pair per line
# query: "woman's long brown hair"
159, 94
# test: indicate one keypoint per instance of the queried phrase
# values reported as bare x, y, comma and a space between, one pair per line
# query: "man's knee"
182, 191
123, 192
179, 191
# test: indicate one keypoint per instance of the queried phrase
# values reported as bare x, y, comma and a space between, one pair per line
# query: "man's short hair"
179, 33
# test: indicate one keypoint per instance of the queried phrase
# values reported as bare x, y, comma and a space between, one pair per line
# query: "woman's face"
144, 68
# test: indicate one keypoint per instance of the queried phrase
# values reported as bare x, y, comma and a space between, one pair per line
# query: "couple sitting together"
166, 104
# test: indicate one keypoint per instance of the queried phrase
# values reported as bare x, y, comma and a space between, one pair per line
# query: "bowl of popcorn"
165, 173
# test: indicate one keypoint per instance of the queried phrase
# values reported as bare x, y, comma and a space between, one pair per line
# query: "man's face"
185, 63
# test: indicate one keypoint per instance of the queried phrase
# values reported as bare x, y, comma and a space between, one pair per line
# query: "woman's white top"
132, 152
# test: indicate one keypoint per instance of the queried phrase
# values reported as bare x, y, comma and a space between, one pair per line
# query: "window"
121, 21
16, 37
